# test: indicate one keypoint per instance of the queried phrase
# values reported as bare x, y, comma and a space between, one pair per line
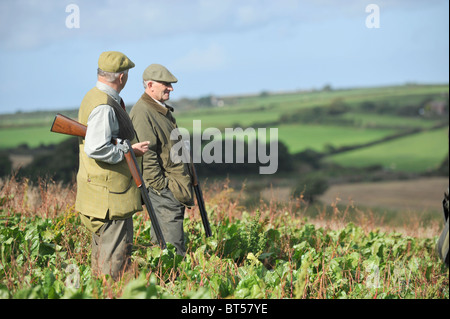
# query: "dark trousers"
170, 214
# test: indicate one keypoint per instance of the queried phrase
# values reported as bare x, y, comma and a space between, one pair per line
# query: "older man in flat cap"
107, 197
169, 183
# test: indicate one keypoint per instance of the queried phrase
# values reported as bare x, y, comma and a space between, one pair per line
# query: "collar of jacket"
161, 109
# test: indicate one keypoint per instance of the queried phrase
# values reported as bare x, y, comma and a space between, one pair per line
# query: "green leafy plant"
259, 254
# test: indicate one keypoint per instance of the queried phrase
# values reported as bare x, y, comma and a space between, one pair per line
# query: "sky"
49, 49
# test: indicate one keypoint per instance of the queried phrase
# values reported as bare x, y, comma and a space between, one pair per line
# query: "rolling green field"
32, 136
247, 111
316, 120
318, 137
413, 153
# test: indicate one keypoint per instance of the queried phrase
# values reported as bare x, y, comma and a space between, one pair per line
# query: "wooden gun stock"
64, 125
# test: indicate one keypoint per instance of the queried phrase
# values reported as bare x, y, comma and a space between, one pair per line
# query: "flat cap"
114, 61
157, 72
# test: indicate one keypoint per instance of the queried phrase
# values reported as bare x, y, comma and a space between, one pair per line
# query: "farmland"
364, 109
379, 157
413, 153
274, 252
31, 136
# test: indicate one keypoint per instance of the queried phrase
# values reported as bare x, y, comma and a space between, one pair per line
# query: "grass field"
297, 130
320, 129
415, 153
365, 120
251, 110
318, 137
33, 136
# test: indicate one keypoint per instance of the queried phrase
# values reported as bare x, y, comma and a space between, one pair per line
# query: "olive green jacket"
104, 189
154, 122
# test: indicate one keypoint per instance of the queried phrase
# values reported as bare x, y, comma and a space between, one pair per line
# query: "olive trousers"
170, 214
112, 242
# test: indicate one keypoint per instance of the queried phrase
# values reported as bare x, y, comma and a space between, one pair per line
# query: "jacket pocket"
121, 188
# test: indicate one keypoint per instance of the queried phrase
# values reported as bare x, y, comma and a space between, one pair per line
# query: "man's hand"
140, 148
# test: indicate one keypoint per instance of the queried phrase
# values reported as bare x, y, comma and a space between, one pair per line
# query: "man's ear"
121, 75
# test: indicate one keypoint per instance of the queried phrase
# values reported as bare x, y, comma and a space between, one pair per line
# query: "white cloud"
209, 58
26, 24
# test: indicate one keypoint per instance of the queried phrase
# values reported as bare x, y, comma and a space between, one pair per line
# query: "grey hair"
109, 76
145, 83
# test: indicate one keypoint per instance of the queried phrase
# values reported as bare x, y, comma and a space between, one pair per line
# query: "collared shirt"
165, 108
160, 103
102, 126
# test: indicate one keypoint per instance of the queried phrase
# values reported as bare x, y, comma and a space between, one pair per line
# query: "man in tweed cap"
169, 183
107, 196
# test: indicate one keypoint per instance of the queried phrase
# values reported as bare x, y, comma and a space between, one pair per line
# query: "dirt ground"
20, 160
422, 194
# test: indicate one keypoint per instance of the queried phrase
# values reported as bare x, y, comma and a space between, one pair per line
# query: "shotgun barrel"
198, 191
139, 180
201, 207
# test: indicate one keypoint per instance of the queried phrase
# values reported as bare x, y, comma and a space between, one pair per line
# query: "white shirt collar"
160, 103
109, 90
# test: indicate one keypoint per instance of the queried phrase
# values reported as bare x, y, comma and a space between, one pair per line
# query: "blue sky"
220, 47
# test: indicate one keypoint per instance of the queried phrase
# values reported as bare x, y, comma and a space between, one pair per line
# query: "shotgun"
200, 201
64, 125
198, 191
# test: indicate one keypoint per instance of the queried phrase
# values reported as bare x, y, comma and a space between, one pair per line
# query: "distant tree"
5, 164
310, 187
264, 94
59, 164
338, 106
327, 88
285, 162
205, 101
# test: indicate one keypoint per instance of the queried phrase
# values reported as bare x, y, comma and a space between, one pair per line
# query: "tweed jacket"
104, 190
154, 122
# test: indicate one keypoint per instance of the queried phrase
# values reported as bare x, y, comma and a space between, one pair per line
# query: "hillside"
330, 137
353, 211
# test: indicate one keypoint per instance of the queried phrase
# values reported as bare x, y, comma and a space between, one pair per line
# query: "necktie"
122, 104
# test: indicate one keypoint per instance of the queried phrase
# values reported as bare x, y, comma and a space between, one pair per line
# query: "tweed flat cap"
157, 72
114, 61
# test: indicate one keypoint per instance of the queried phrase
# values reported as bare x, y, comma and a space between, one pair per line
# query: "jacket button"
89, 180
